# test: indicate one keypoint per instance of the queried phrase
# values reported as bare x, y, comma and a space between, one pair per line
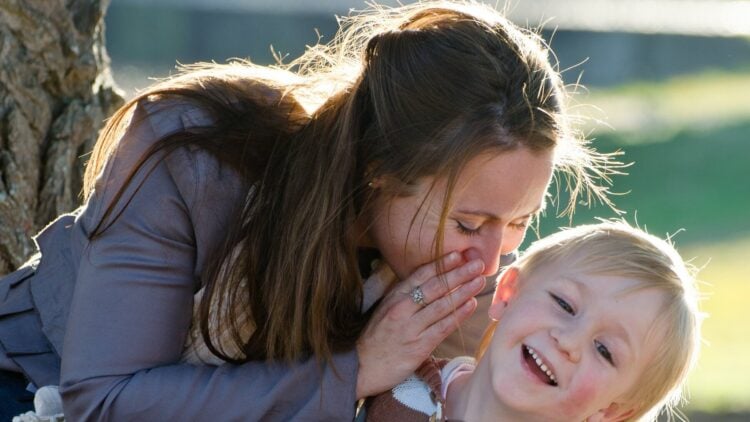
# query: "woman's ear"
375, 182
506, 288
370, 178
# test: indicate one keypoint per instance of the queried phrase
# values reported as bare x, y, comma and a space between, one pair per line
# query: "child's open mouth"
538, 367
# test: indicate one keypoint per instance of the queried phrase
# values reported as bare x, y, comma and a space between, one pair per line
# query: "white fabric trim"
415, 394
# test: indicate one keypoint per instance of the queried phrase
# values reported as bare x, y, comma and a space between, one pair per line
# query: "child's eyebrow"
581, 288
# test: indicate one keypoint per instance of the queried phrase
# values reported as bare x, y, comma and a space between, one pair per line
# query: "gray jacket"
118, 308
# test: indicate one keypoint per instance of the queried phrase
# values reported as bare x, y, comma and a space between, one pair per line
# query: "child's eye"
563, 304
465, 230
602, 349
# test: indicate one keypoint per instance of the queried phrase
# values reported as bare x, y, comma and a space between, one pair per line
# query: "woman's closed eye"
520, 224
467, 229
604, 352
562, 303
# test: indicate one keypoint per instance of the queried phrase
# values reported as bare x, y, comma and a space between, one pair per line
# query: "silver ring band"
417, 296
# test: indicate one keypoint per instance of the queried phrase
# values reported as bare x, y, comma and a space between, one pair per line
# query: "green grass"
687, 139
692, 180
721, 380
636, 111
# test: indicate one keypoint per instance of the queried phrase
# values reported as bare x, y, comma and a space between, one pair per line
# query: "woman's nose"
568, 342
491, 250
491, 261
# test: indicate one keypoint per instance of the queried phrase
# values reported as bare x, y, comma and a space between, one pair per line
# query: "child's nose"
567, 343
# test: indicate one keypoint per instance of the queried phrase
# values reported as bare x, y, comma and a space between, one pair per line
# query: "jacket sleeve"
132, 304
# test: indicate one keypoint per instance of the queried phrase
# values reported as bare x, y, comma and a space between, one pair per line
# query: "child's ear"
506, 288
615, 412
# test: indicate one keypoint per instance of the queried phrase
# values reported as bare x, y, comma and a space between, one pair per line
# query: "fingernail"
477, 282
476, 265
471, 254
453, 257
469, 305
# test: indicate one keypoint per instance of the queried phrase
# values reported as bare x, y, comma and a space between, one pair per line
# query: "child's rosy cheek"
581, 397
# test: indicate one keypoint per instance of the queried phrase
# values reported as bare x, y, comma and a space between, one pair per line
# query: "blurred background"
665, 82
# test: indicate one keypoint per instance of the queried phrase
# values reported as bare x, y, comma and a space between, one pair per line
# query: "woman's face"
495, 197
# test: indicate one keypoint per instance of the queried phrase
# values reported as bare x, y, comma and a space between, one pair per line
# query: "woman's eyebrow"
490, 216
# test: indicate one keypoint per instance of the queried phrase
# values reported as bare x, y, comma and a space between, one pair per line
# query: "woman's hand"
402, 333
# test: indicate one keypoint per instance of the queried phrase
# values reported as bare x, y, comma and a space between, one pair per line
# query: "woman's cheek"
514, 239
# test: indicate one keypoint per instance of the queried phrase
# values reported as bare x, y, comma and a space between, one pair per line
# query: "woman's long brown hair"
399, 94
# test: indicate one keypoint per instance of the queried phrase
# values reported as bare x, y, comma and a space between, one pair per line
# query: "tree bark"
55, 91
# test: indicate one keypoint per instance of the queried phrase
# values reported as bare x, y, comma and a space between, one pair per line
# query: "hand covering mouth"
538, 366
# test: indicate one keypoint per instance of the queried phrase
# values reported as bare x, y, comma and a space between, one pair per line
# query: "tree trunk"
55, 91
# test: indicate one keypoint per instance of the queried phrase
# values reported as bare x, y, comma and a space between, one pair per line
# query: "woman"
424, 138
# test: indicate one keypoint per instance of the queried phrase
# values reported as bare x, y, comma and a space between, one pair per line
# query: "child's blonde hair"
616, 248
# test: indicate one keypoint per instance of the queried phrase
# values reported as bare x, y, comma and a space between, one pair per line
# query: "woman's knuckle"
395, 314
423, 273
442, 286
392, 315
457, 277
448, 324
440, 306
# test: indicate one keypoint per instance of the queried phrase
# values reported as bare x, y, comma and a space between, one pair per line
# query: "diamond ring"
417, 296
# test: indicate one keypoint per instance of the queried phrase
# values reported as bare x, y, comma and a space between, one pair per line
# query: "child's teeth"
541, 364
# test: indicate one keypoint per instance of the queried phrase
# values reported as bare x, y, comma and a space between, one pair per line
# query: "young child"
595, 323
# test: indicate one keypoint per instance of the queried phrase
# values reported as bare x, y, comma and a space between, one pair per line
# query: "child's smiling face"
570, 345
